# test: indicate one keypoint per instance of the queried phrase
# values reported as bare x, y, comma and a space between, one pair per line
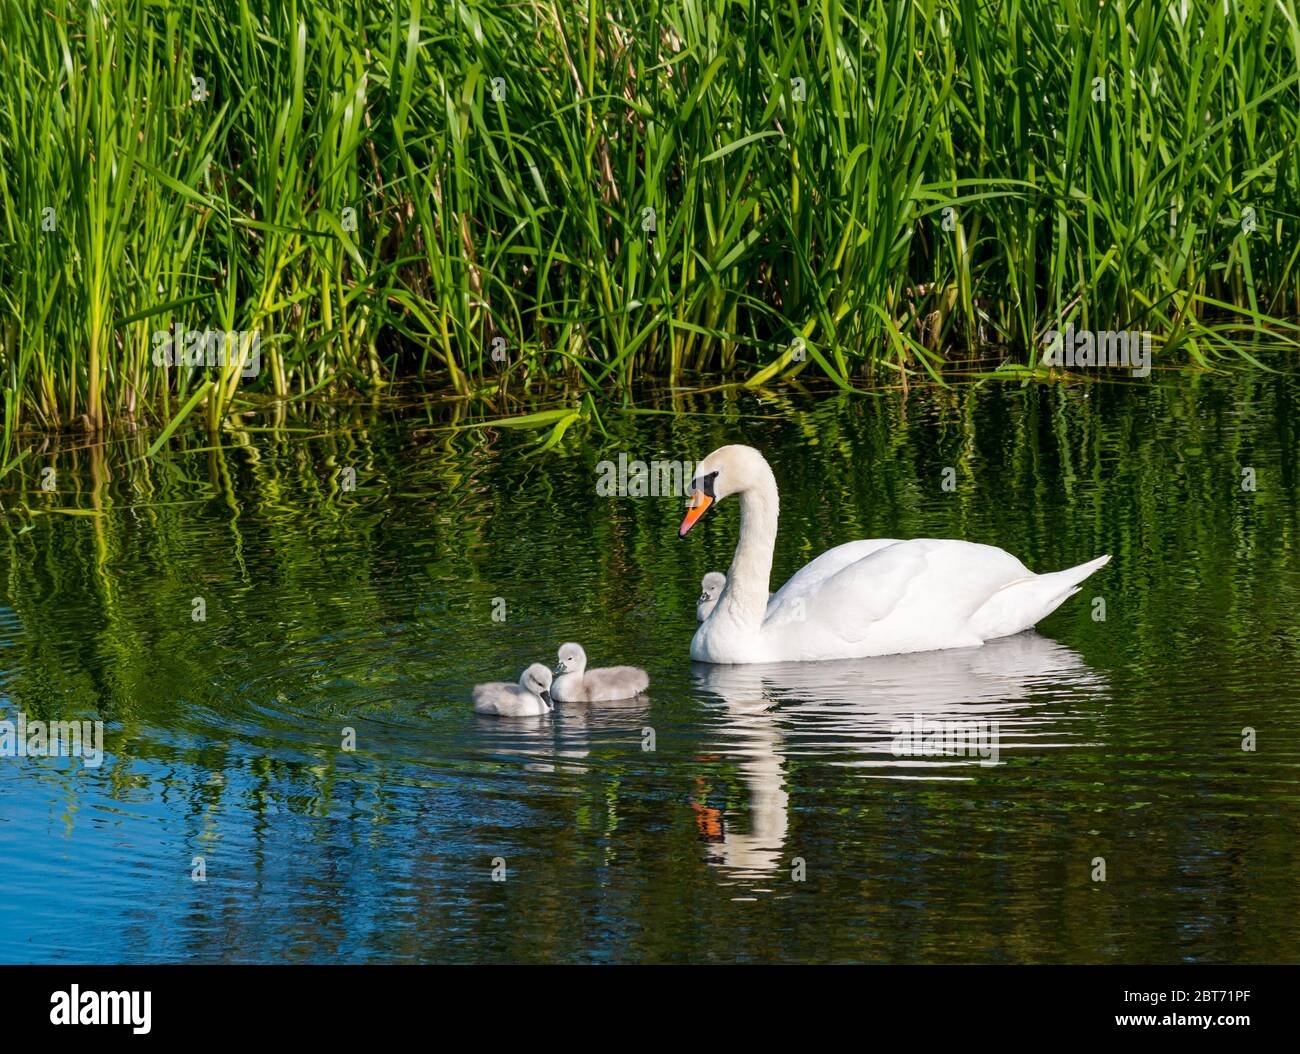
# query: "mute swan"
530, 697
577, 684
710, 589
879, 596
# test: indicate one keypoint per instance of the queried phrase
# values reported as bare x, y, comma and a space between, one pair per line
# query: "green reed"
496, 196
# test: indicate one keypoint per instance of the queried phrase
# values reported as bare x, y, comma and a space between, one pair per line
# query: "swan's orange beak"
700, 503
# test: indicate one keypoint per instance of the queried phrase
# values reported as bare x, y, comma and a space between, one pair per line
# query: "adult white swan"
879, 596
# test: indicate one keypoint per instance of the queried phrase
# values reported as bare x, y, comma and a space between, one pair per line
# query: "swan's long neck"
745, 598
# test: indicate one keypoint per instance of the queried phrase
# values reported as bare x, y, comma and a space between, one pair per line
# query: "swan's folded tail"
1021, 604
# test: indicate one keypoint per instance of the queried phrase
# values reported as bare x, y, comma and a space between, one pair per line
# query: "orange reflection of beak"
698, 506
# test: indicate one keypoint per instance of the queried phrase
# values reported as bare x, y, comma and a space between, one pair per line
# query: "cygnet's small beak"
700, 503
546, 696
559, 669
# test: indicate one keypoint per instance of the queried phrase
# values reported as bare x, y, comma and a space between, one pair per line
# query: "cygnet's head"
537, 679
572, 658
711, 586
728, 470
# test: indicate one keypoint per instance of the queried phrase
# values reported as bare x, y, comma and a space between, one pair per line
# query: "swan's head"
572, 659
711, 586
728, 470
537, 679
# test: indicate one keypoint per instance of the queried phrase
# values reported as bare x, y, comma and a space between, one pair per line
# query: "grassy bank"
484, 193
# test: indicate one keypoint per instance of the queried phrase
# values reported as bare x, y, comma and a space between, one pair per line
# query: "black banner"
1224, 1004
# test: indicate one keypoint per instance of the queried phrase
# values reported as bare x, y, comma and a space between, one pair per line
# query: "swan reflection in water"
861, 712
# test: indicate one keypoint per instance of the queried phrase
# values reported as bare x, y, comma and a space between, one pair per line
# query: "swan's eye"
705, 483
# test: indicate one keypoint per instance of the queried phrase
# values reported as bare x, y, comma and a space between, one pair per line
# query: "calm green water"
373, 610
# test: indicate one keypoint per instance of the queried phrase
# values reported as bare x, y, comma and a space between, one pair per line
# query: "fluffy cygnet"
529, 698
711, 586
574, 683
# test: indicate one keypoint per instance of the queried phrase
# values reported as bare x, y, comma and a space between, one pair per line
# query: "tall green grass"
851, 188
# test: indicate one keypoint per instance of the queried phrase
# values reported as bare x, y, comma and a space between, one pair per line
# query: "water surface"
773, 820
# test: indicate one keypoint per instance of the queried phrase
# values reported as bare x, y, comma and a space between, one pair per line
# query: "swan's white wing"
847, 601
808, 578
930, 584
1021, 603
